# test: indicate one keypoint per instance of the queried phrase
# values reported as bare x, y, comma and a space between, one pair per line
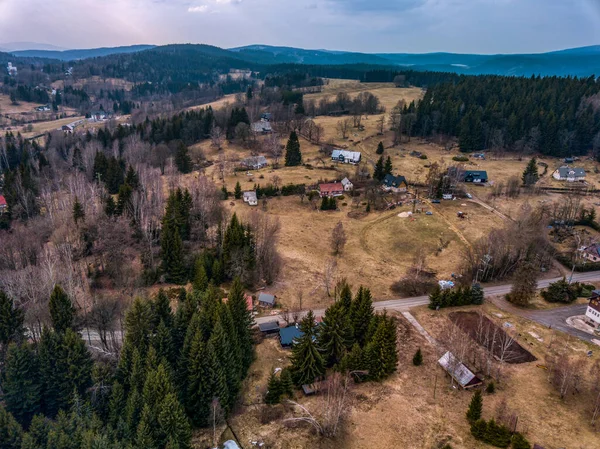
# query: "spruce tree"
387, 169
531, 175
361, 314
78, 211
116, 404
287, 383
162, 343
182, 159
379, 172
307, 362
381, 352
354, 361
21, 383
242, 323
524, 283
200, 278
380, 148
199, 387
418, 358
334, 335
228, 356
274, 389
475, 407
477, 295
237, 193
435, 298
174, 424
520, 442
11, 433
161, 310
110, 208
293, 156
132, 178
11, 322
144, 437
479, 429
172, 254
62, 311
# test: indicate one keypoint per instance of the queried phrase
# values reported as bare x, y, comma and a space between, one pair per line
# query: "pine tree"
200, 278
11, 433
174, 424
110, 208
381, 352
475, 407
418, 358
435, 298
242, 323
11, 322
334, 336
287, 383
387, 169
380, 148
531, 175
78, 211
182, 159
161, 310
199, 387
132, 178
274, 389
379, 172
477, 296
479, 429
307, 363
21, 385
524, 284
293, 156
361, 314
172, 254
144, 437
520, 442
237, 193
62, 311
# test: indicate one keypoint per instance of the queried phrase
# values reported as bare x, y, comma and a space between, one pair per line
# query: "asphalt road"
554, 318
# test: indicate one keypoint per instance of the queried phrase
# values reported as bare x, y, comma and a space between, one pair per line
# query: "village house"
3, 204
592, 313
458, 371
569, 174
250, 198
255, 162
98, 116
476, 176
268, 328
267, 116
331, 189
266, 300
68, 129
11, 69
287, 335
346, 157
348, 186
262, 127
394, 184
591, 253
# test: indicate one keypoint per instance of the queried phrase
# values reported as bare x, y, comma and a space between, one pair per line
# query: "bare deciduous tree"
338, 238
343, 126
329, 275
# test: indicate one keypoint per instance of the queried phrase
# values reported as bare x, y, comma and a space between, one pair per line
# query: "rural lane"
554, 318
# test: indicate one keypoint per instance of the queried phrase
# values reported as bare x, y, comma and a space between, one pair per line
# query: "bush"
293, 189
344, 204
423, 156
460, 158
562, 291
491, 433
490, 388
520, 442
341, 197
418, 358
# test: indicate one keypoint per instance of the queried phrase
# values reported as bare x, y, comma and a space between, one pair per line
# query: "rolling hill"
72, 55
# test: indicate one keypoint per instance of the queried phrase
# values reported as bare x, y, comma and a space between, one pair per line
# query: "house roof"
346, 182
393, 181
476, 174
352, 155
271, 325
230, 444
3, 201
266, 298
251, 195
255, 160
261, 126
458, 370
331, 187
287, 335
566, 172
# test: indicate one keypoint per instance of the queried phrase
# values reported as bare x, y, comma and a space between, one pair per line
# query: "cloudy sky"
468, 26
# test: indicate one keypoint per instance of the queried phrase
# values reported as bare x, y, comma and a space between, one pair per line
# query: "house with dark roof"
476, 176
569, 174
394, 183
591, 253
331, 189
287, 335
266, 116
271, 327
266, 300
458, 371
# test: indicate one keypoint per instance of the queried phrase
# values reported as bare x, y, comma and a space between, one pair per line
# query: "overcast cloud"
467, 26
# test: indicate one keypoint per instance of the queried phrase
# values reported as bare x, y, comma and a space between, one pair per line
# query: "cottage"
11, 69
255, 162
591, 253
266, 116
98, 116
68, 129
346, 157
3, 204
266, 300
394, 183
348, 186
262, 127
250, 198
476, 176
287, 335
331, 189
592, 313
569, 174
271, 327
458, 371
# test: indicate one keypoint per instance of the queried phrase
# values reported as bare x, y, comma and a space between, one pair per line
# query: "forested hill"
71, 55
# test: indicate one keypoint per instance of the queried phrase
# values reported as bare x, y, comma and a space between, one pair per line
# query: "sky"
374, 26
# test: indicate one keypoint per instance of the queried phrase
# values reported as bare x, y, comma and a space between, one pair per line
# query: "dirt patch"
491, 337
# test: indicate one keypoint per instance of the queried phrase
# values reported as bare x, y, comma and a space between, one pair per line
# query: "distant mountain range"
19, 46
582, 62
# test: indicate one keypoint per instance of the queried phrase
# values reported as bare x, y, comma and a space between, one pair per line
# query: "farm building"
394, 183
287, 335
570, 174
458, 371
272, 327
255, 162
476, 176
346, 157
348, 186
331, 189
250, 198
591, 253
592, 313
266, 300
3, 204
262, 126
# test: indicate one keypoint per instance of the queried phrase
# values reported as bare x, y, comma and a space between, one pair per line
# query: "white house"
570, 174
262, 127
348, 186
346, 157
592, 314
11, 69
250, 198
591, 253
255, 162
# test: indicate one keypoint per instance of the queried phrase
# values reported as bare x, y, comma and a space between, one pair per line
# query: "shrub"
418, 358
520, 442
562, 291
341, 197
344, 204
423, 156
475, 407
462, 296
490, 388
460, 158
491, 433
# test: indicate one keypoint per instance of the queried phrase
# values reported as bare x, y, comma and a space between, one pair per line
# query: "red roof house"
3, 204
331, 189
